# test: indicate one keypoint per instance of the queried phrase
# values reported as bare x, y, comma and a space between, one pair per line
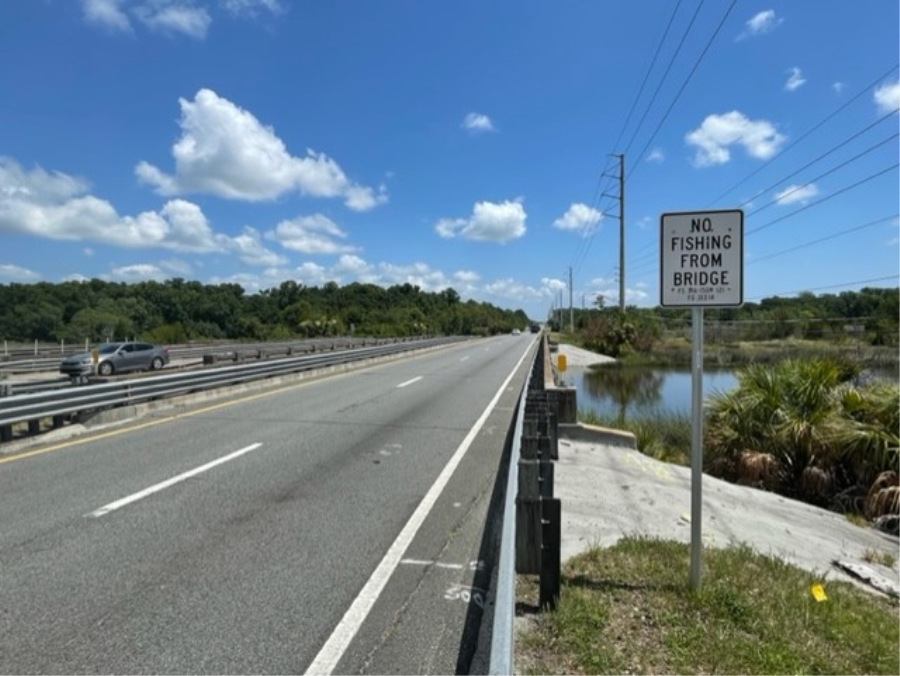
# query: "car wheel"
156, 364
106, 368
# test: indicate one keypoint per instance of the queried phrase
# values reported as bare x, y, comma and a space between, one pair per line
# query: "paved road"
336, 525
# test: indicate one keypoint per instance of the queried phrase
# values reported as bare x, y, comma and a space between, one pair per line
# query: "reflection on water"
635, 392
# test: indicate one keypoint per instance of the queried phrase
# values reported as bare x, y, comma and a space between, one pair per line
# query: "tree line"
869, 315
177, 311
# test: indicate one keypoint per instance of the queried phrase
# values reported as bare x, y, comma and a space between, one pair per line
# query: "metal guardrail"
8, 389
56, 404
502, 639
49, 359
531, 535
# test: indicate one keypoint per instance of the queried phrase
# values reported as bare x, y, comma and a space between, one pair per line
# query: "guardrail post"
538, 513
551, 535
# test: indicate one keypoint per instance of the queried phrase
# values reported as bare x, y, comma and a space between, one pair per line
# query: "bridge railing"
531, 536
57, 405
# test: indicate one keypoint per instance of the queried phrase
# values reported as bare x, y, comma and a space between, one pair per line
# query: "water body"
636, 392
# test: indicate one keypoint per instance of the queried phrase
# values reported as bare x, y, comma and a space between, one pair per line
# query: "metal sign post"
701, 264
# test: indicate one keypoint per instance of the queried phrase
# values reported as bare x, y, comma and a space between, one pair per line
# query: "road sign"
702, 259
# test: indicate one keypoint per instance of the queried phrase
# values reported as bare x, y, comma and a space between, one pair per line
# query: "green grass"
664, 436
629, 609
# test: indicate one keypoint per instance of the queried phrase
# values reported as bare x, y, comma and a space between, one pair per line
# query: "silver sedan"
116, 358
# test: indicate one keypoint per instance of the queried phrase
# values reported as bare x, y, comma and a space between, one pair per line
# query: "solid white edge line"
330, 653
410, 382
112, 506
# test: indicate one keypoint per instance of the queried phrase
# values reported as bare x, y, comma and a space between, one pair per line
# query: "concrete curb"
597, 435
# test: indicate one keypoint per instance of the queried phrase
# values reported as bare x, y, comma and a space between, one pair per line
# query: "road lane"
247, 567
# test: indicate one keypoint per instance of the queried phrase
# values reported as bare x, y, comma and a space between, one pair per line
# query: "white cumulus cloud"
718, 132
477, 122
252, 7
139, 272
795, 79
15, 273
489, 222
225, 151
796, 194
316, 234
249, 248
657, 156
466, 276
760, 24
58, 206
887, 97
349, 264
107, 14
580, 218
174, 16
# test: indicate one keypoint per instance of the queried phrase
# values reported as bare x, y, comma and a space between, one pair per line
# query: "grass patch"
857, 519
629, 609
879, 557
663, 436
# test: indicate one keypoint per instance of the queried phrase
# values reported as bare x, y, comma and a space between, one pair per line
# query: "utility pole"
621, 198
571, 311
622, 233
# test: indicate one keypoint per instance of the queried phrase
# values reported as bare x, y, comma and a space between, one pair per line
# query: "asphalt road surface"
339, 525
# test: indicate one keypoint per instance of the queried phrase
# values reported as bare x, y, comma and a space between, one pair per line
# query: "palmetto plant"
807, 427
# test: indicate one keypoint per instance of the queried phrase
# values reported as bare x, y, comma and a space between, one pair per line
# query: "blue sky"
463, 144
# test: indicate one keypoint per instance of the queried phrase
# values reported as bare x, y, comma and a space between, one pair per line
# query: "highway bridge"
343, 524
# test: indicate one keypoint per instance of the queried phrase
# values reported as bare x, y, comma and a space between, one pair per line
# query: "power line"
823, 239
684, 83
665, 75
635, 262
683, 86
824, 199
779, 198
583, 248
647, 75
805, 135
823, 155
830, 286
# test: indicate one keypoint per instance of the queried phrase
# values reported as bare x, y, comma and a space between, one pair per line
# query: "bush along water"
804, 429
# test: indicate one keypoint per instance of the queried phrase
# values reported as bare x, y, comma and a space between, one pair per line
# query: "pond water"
636, 392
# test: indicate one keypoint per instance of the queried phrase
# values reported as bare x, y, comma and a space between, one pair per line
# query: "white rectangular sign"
702, 259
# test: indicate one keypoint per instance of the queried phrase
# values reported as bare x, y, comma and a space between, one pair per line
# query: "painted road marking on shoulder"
464, 358
410, 382
330, 654
118, 504
466, 594
472, 565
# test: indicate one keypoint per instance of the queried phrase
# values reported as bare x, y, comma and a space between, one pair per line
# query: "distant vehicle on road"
516, 332
116, 358
535, 328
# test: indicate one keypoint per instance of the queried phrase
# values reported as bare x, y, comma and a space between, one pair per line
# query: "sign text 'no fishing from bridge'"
702, 259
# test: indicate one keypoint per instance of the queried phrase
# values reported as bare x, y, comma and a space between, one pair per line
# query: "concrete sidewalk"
609, 490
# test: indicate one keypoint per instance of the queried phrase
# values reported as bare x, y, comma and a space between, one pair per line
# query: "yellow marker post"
818, 592
561, 363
